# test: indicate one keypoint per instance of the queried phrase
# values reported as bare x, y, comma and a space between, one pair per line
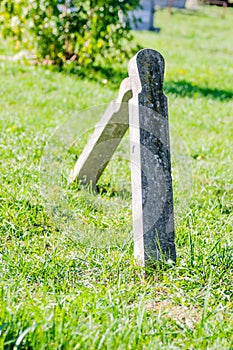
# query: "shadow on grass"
108, 191
114, 76
185, 88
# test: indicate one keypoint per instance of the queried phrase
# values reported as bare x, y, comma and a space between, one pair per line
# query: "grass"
63, 287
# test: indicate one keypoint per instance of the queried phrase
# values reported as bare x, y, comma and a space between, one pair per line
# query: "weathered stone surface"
105, 139
152, 198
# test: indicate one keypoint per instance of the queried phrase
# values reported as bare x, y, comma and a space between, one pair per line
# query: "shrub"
61, 31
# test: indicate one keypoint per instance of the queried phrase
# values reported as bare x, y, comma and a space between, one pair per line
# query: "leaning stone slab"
105, 139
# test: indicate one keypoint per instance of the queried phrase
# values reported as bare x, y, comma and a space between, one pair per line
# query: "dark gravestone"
146, 114
152, 197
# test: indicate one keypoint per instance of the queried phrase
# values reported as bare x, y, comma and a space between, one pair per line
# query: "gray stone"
144, 16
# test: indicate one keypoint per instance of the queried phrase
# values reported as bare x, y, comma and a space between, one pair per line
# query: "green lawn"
76, 286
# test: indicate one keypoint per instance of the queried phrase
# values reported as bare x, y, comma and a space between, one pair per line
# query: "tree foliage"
68, 30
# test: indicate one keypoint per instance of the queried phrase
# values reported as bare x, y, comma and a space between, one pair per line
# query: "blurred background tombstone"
143, 17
